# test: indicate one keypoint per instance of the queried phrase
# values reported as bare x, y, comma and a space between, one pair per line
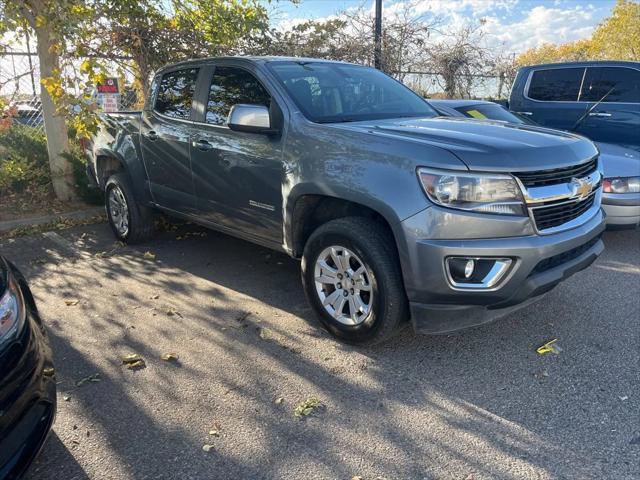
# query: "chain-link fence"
432, 85
20, 88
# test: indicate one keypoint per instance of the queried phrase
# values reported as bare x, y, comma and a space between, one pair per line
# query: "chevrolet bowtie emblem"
581, 187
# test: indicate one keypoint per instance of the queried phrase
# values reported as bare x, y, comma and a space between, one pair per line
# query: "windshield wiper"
589, 110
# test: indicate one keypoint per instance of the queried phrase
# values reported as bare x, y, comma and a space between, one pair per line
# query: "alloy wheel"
343, 285
118, 211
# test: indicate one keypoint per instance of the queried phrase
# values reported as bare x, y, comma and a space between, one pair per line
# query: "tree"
458, 58
616, 38
49, 20
152, 33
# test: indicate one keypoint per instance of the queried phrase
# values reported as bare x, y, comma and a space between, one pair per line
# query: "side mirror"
251, 119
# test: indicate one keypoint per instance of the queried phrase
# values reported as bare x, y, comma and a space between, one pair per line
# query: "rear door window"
556, 85
175, 93
611, 84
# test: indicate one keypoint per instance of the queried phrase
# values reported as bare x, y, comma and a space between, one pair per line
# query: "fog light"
477, 273
468, 268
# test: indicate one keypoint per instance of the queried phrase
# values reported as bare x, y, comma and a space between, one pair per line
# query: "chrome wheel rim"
343, 285
119, 211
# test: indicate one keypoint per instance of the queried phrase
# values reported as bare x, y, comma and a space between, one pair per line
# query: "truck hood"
485, 145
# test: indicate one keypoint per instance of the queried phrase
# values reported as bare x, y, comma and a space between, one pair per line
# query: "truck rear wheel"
130, 221
352, 279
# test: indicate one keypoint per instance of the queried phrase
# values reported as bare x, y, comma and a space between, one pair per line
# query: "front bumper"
540, 262
622, 209
27, 397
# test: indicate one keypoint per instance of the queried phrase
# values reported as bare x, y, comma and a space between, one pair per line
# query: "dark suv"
600, 100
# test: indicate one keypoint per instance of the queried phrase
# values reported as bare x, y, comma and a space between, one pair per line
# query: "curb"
8, 225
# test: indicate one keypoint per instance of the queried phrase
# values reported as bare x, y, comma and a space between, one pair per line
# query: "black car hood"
487, 145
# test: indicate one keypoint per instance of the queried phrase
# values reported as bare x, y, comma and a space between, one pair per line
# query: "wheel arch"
109, 162
308, 208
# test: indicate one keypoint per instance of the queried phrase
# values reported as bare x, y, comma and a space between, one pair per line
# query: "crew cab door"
164, 138
237, 175
616, 119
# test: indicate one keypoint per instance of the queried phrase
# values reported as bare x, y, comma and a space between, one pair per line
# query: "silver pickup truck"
397, 214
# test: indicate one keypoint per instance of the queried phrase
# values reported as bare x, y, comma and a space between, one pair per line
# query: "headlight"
477, 192
621, 185
12, 313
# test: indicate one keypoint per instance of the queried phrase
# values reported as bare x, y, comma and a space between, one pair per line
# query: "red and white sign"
110, 85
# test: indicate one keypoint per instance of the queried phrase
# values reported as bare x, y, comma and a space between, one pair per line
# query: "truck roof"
587, 63
249, 58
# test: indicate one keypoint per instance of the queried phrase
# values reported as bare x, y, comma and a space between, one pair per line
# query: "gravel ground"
472, 405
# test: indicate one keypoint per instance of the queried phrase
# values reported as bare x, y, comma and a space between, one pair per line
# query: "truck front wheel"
352, 279
130, 221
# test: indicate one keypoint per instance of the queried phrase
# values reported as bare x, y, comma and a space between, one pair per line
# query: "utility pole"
377, 53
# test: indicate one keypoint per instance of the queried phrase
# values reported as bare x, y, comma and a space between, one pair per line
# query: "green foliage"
24, 163
78, 161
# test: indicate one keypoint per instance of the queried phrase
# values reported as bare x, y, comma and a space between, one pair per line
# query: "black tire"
140, 218
375, 247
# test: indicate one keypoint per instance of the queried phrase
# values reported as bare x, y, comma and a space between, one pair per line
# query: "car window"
615, 84
230, 86
334, 92
175, 93
556, 84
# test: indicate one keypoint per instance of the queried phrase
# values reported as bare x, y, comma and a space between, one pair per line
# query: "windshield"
491, 112
335, 92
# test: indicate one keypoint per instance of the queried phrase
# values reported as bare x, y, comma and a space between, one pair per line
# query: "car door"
237, 175
551, 97
610, 98
165, 130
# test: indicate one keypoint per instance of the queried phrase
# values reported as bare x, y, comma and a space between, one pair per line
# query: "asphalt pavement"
478, 404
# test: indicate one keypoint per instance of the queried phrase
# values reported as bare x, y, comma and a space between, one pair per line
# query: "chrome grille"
555, 213
541, 178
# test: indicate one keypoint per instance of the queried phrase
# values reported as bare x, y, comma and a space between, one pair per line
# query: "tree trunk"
54, 124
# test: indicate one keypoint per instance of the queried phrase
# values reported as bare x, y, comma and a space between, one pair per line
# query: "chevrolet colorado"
396, 214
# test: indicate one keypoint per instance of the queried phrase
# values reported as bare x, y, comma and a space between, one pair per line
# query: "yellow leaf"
167, 357
85, 66
550, 346
71, 302
149, 256
41, 21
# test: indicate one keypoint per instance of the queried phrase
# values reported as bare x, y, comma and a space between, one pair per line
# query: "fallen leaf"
136, 365
167, 357
91, 378
71, 302
279, 400
154, 297
133, 361
172, 311
625, 398
66, 398
307, 407
149, 256
214, 433
550, 346
207, 447
132, 357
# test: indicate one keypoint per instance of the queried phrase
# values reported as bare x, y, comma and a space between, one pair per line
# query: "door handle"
525, 113
202, 145
599, 114
152, 135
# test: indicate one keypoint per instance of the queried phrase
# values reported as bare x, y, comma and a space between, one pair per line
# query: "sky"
515, 25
